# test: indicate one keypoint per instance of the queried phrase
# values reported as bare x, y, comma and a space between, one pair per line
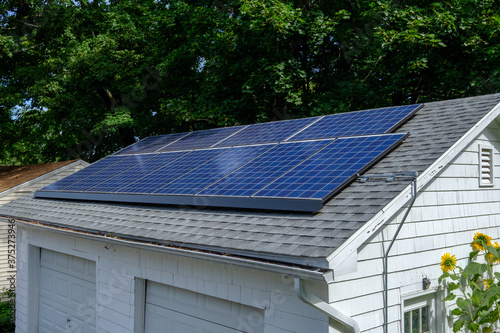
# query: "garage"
170, 309
67, 293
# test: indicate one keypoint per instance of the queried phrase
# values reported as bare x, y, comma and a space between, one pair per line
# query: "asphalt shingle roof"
299, 237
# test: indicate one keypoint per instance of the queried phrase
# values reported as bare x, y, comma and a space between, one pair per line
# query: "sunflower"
488, 283
480, 240
448, 262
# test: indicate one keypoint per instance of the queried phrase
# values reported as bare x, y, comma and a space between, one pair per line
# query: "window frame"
418, 300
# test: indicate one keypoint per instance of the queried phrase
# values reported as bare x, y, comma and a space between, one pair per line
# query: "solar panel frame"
275, 204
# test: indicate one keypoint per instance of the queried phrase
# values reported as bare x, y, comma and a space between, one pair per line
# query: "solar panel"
201, 139
292, 165
324, 173
155, 180
151, 144
272, 132
82, 174
357, 123
98, 177
135, 172
213, 170
264, 169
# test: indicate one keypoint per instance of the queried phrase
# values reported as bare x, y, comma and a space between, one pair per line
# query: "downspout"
305, 296
386, 255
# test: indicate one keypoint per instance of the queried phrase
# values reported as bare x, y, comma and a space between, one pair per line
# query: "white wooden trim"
393, 207
139, 305
33, 287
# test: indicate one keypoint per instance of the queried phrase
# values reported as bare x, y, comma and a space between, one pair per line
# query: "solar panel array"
293, 165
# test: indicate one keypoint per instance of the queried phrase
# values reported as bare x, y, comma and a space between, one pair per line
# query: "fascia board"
393, 207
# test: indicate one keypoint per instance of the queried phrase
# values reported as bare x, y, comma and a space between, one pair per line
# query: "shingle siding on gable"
444, 218
17, 192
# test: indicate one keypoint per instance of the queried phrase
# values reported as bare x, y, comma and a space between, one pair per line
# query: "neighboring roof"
14, 175
298, 238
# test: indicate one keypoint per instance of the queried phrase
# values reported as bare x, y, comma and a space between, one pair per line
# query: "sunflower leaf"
461, 303
474, 268
473, 254
458, 325
444, 276
475, 285
450, 297
456, 312
452, 286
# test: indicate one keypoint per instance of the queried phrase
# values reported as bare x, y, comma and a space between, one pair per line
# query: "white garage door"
67, 294
174, 310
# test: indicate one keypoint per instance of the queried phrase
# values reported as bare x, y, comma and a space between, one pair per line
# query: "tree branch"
27, 24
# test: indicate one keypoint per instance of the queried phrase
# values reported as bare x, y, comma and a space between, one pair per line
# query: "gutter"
310, 274
305, 296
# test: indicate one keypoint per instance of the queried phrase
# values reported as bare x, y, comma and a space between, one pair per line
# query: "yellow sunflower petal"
448, 262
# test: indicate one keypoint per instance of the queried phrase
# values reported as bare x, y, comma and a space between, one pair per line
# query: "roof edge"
324, 275
42, 177
393, 207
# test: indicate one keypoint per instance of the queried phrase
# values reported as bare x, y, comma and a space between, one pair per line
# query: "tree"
77, 73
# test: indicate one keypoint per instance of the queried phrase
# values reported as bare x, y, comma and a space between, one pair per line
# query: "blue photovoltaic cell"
108, 173
136, 172
356, 123
82, 174
160, 177
151, 144
321, 174
201, 139
272, 132
213, 170
264, 169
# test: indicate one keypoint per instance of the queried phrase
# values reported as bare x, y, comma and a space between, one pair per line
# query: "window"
417, 320
486, 166
421, 313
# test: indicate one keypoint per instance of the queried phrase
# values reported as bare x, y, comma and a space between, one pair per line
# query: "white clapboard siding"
444, 218
16, 192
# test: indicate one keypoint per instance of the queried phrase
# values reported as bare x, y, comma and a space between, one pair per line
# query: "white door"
67, 294
174, 310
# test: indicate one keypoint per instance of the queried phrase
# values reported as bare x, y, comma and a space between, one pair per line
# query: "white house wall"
444, 218
118, 268
18, 191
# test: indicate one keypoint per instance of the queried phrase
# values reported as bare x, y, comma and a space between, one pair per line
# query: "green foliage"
475, 288
7, 320
123, 70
